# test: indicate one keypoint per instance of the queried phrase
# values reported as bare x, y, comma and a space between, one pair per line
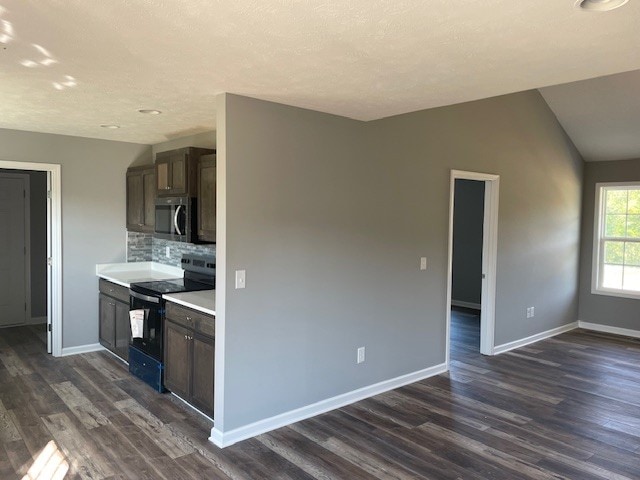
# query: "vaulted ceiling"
69, 66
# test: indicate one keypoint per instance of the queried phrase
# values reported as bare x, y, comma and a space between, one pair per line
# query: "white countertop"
126, 273
204, 301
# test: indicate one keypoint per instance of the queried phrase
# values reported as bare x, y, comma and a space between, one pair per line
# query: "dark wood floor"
567, 407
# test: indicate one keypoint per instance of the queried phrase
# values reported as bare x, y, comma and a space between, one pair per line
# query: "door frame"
489, 258
54, 246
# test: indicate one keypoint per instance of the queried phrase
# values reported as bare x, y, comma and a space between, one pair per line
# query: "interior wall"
603, 309
468, 218
329, 217
93, 214
301, 221
517, 137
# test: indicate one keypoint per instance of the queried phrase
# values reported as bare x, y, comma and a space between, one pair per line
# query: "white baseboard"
534, 338
37, 320
627, 332
225, 439
93, 347
460, 303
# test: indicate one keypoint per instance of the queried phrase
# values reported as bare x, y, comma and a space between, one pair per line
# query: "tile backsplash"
142, 247
139, 247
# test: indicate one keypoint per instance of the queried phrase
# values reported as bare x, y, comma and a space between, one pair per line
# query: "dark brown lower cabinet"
189, 356
177, 352
114, 330
202, 373
107, 321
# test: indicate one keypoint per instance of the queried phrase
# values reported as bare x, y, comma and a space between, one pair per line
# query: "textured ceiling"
363, 59
602, 115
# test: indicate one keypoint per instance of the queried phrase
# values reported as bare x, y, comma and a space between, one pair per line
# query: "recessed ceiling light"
600, 5
150, 112
112, 127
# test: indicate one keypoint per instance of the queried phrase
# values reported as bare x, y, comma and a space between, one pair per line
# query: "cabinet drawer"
187, 317
116, 291
146, 368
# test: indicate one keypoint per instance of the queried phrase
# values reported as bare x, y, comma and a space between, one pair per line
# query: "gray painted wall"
93, 214
329, 217
467, 241
517, 137
603, 309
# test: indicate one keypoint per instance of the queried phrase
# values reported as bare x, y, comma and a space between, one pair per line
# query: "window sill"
614, 293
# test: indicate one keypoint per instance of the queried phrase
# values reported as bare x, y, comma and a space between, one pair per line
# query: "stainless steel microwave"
176, 219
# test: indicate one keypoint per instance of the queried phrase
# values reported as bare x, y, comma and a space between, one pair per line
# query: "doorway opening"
31, 267
471, 286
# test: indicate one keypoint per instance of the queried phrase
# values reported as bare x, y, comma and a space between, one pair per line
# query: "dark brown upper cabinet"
177, 171
141, 197
207, 198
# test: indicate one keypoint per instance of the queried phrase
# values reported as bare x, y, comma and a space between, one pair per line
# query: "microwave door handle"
175, 219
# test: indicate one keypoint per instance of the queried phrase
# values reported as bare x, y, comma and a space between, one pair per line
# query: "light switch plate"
360, 355
240, 279
423, 263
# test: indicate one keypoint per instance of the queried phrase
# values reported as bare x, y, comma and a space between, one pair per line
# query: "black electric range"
146, 348
176, 285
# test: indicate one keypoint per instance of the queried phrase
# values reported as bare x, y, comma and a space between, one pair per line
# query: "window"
616, 269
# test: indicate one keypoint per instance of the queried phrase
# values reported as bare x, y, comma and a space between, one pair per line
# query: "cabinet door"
107, 333
178, 174
141, 197
203, 373
162, 176
122, 330
177, 359
149, 203
135, 207
207, 198
171, 173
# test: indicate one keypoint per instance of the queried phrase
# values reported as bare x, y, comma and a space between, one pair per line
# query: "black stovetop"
199, 274
177, 285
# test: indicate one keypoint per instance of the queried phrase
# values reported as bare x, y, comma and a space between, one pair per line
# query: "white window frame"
598, 225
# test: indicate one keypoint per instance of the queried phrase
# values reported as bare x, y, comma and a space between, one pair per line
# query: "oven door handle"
175, 219
142, 296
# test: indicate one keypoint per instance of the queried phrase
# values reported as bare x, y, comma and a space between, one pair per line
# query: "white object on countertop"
136, 317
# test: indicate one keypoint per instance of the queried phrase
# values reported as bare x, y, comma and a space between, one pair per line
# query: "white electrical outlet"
167, 252
423, 263
360, 354
533, 312
241, 279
